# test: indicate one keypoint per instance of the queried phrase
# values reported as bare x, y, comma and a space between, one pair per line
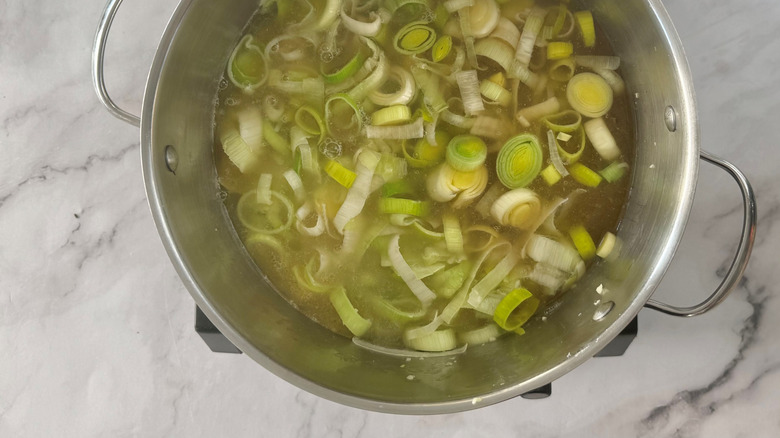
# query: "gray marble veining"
96, 328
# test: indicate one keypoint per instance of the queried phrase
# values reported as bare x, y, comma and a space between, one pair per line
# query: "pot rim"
688, 127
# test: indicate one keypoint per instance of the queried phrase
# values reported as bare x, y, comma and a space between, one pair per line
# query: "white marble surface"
96, 330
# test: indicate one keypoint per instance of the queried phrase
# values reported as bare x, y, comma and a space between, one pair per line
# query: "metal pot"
181, 185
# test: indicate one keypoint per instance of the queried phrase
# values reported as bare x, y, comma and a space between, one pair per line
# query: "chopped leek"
601, 139
446, 283
482, 335
608, 246
357, 194
342, 114
295, 183
264, 189
347, 70
583, 242
562, 70
265, 219
598, 62
469, 91
613, 79
446, 184
441, 48
550, 175
395, 188
519, 208
614, 171
515, 309
492, 279
275, 139
367, 29
559, 50
555, 157
495, 93
250, 127
484, 16
418, 288
405, 92
340, 174
528, 115
506, 31
440, 340
584, 175
495, 50
519, 161
587, 28
415, 37
238, 151
466, 153
548, 251
391, 115
347, 312
403, 206
452, 234
567, 121
525, 46
589, 95
310, 121
398, 132
247, 67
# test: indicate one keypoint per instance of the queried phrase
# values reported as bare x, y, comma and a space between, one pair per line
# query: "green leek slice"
310, 121
515, 309
614, 171
415, 37
404, 206
347, 70
342, 114
395, 188
519, 161
583, 242
391, 115
466, 153
440, 340
441, 48
248, 67
340, 174
587, 28
559, 50
584, 175
550, 175
349, 315
567, 121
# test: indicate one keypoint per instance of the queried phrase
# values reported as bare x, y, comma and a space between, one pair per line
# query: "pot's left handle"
744, 248
98, 53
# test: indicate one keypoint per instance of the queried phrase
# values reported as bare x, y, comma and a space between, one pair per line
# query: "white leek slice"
555, 157
295, 184
418, 288
508, 32
601, 138
238, 151
367, 29
406, 353
525, 46
356, 197
250, 127
441, 340
482, 335
425, 271
330, 12
264, 189
349, 315
405, 92
613, 79
548, 276
468, 82
398, 132
598, 62
484, 15
610, 246
491, 127
519, 208
445, 184
456, 303
495, 50
530, 114
453, 237
303, 213
373, 80
545, 250
492, 279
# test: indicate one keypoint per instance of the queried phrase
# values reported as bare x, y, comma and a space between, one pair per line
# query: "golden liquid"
598, 209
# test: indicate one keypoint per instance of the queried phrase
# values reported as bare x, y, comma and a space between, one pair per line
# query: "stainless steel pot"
181, 185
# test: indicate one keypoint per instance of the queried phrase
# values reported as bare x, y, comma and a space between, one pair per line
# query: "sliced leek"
601, 138
265, 219
348, 314
583, 242
515, 309
446, 184
519, 208
530, 114
584, 175
415, 37
465, 153
519, 161
589, 95
340, 174
587, 28
403, 206
248, 66
614, 171
391, 115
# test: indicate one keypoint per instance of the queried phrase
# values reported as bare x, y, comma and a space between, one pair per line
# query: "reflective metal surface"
237, 298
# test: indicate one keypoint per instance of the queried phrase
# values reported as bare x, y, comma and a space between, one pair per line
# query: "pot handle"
738, 265
98, 53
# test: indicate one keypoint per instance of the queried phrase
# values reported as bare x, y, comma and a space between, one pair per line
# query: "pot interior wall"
234, 293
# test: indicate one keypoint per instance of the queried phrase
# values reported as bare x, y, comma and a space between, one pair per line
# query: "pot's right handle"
740, 261
98, 53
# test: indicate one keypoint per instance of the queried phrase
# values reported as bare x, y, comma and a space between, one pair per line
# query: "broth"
309, 270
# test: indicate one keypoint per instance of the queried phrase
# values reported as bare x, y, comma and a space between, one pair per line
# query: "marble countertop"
97, 332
